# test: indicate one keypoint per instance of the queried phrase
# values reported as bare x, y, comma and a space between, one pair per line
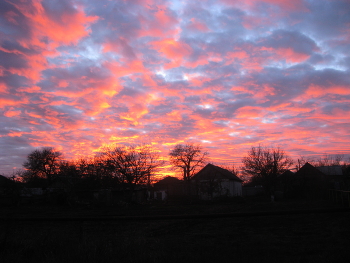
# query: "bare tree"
87, 173
68, 169
329, 160
188, 158
302, 160
265, 164
233, 169
324, 160
132, 165
43, 163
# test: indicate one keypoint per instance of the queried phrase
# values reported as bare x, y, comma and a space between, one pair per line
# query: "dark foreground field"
314, 236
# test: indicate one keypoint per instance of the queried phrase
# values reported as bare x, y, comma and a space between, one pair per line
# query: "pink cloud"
71, 27
162, 23
12, 113
315, 91
11, 102
248, 112
127, 68
197, 25
287, 54
173, 50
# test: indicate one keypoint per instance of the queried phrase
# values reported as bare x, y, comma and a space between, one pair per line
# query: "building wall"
237, 188
231, 188
226, 188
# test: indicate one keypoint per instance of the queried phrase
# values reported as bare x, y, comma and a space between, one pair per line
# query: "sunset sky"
79, 75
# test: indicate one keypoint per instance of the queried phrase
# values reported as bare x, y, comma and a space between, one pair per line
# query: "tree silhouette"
42, 163
265, 164
131, 165
188, 158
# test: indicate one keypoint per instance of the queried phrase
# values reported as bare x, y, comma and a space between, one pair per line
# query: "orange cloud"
11, 102
136, 112
3, 87
12, 113
318, 91
69, 29
13, 134
173, 50
31, 89
127, 68
248, 112
175, 115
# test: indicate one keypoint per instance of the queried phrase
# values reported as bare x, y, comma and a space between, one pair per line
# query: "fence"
339, 196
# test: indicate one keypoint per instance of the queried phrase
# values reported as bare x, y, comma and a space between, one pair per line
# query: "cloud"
292, 46
78, 75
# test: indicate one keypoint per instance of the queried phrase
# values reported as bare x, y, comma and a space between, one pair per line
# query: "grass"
323, 237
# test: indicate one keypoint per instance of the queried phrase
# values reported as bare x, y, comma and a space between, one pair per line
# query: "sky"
228, 74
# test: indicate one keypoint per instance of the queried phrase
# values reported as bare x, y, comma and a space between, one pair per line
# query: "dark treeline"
127, 167
114, 165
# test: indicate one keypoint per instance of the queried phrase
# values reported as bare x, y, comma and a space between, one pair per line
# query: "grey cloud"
11, 60
325, 18
12, 46
227, 110
331, 107
346, 62
56, 9
130, 91
290, 39
321, 59
193, 99
180, 129
205, 113
170, 103
13, 152
14, 81
85, 70
19, 29
328, 77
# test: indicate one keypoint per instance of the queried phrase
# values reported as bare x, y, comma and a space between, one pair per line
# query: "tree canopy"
188, 158
264, 164
43, 163
131, 165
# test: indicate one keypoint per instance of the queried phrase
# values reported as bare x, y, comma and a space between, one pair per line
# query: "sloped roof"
285, 175
309, 170
331, 170
168, 180
5, 182
211, 171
